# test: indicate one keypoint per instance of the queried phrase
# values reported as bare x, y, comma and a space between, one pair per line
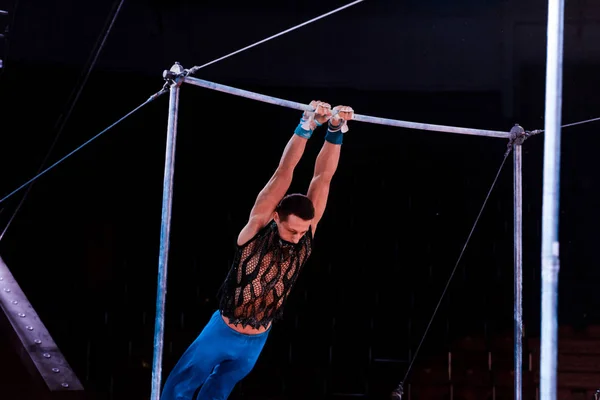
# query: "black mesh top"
261, 277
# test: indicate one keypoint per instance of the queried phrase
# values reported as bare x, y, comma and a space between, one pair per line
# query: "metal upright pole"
550, 198
164, 235
518, 268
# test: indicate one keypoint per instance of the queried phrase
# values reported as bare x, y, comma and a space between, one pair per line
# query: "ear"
276, 217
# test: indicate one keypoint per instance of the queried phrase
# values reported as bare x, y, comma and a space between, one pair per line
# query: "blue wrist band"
336, 137
303, 132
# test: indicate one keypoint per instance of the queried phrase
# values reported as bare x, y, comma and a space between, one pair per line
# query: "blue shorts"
214, 363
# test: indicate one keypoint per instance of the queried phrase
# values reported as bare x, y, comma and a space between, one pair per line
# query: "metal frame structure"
34, 344
550, 202
177, 75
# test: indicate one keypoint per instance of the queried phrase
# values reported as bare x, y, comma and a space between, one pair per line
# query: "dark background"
84, 246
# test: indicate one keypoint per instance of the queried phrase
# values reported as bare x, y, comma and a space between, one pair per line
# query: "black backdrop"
85, 244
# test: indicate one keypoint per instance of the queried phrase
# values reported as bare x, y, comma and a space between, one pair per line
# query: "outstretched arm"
327, 161
278, 185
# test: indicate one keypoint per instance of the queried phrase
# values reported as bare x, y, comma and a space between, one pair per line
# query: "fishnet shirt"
261, 277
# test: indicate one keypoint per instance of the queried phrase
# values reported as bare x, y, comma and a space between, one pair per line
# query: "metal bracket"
38, 350
175, 75
518, 135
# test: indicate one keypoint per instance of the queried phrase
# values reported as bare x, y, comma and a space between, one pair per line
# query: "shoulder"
253, 231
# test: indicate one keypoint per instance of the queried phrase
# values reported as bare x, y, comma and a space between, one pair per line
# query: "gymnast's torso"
262, 275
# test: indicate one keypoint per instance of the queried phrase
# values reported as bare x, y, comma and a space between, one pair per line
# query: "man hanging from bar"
271, 250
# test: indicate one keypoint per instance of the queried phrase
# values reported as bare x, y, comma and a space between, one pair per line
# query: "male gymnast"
271, 250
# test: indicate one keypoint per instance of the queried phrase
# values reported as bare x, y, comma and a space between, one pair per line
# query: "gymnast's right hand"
312, 119
321, 113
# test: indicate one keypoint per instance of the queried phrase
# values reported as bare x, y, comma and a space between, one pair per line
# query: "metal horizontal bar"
357, 117
38, 350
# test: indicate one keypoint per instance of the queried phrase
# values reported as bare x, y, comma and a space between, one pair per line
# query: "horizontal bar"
250, 95
357, 117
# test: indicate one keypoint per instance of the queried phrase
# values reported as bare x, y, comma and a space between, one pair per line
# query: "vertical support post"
165, 235
518, 267
550, 199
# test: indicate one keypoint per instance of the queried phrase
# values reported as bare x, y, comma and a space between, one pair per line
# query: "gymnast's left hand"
342, 114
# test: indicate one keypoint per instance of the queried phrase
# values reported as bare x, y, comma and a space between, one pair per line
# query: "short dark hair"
297, 204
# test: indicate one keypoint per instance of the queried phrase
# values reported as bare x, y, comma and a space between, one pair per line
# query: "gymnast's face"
293, 228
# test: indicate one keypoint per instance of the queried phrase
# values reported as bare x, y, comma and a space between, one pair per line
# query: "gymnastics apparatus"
177, 76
